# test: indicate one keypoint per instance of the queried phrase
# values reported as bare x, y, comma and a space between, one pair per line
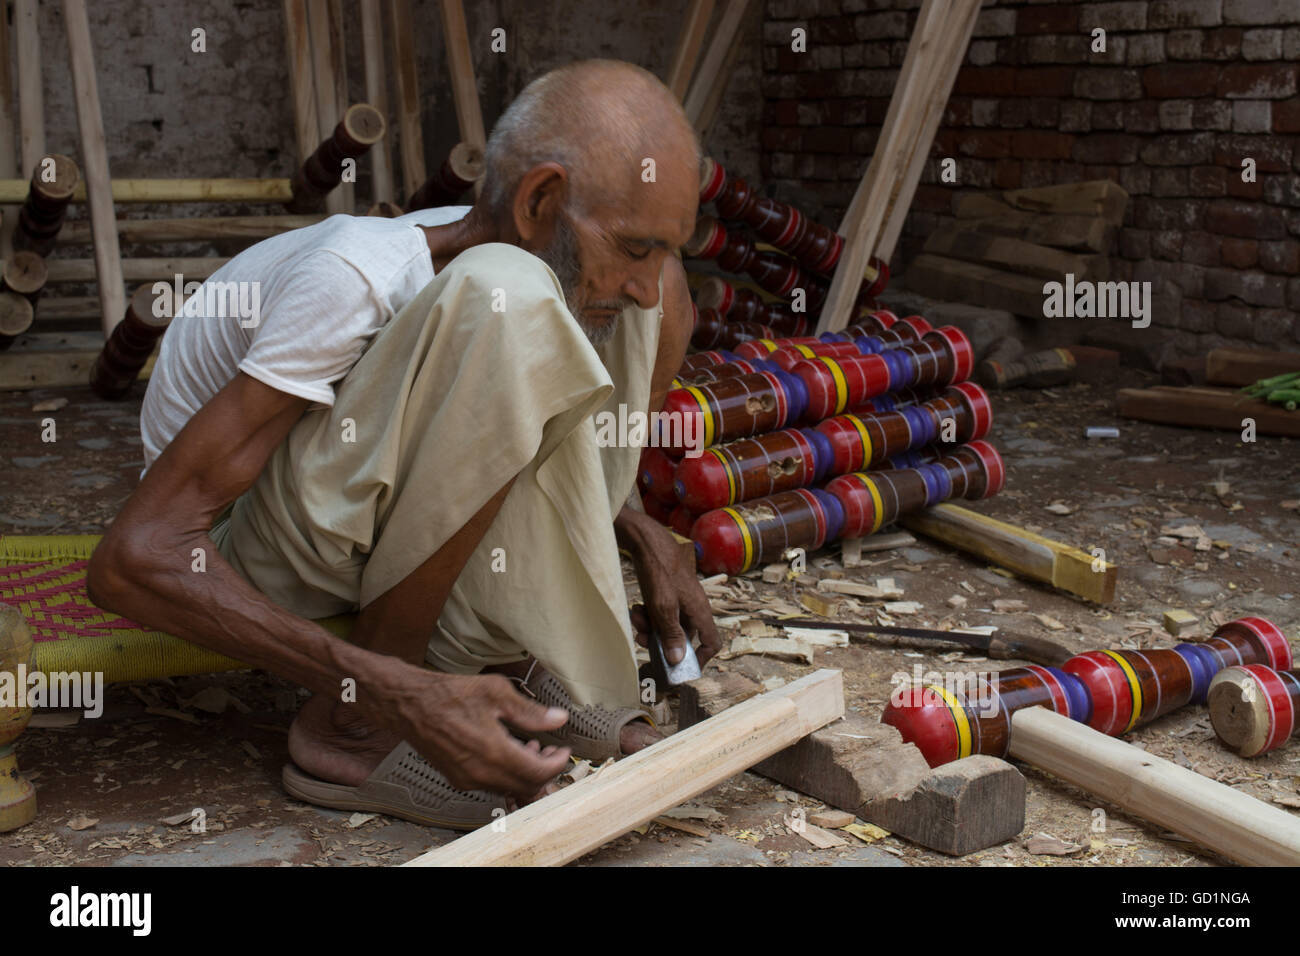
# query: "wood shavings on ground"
821, 839
866, 832
1044, 844
781, 648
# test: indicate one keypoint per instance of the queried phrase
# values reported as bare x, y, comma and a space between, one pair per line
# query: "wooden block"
1015, 255
1247, 366
992, 216
953, 280
1096, 198
1018, 550
1179, 623
864, 768
1205, 408
581, 817
834, 819
960, 807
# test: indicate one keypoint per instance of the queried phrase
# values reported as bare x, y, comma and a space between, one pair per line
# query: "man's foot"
330, 740
634, 736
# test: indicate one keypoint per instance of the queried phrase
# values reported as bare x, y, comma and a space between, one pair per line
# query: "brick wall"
1184, 92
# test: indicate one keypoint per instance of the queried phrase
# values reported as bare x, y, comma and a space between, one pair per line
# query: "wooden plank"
1206, 408
339, 55
1248, 366
183, 230
1099, 197
689, 41
410, 130
372, 45
713, 101
895, 149
464, 91
916, 52
90, 125
137, 270
596, 809
952, 56
951, 280
31, 97
713, 70
324, 83
306, 126
1015, 255
171, 190
53, 360
8, 166
1018, 550
1208, 812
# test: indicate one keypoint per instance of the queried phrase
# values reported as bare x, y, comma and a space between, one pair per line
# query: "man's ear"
538, 201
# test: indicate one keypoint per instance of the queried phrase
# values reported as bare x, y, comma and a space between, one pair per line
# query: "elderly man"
406, 430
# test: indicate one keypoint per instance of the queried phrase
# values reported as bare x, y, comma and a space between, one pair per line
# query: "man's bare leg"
329, 738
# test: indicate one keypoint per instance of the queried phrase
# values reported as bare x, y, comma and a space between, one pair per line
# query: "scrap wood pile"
1241, 386
1000, 248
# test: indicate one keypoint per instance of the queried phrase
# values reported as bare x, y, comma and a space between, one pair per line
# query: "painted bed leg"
17, 795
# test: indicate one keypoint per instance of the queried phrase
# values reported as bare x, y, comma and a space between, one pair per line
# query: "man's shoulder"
500, 264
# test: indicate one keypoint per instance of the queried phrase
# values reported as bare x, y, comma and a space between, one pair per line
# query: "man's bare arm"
142, 569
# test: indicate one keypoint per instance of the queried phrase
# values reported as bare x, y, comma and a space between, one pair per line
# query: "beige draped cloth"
483, 377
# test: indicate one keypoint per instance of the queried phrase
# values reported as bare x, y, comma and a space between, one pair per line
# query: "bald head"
600, 120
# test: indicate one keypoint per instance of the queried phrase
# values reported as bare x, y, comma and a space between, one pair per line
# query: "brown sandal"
404, 785
593, 732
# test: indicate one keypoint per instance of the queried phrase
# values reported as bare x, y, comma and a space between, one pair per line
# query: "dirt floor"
221, 750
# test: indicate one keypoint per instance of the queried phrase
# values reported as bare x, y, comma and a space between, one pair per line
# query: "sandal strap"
593, 731
427, 787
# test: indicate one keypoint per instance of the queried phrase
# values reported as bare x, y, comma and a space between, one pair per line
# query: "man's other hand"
675, 607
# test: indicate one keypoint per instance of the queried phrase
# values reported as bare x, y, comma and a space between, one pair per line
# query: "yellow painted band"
958, 717
744, 536
866, 439
1134, 687
729, 472
804, 350
876, 502
841, 387
705, 411
767, 344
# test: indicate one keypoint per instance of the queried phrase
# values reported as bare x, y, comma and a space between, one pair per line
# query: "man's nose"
643, 287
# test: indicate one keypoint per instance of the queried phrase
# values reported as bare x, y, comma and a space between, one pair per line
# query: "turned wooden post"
42, 213
24, 273
16, 316
17, 796
129, 347
361, 127
461, 169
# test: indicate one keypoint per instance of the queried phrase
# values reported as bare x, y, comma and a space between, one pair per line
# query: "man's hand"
676, 607
459, 724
